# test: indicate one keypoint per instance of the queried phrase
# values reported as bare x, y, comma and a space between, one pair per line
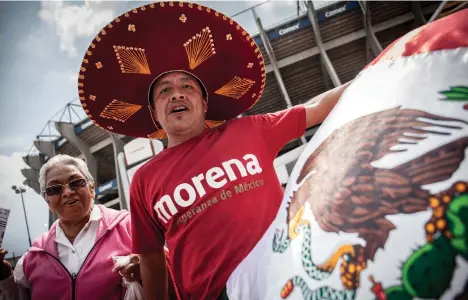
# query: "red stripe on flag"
447, 33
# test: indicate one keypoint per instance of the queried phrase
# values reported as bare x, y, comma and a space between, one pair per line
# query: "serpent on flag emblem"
377, 204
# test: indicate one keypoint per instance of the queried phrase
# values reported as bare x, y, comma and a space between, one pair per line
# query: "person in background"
74, 259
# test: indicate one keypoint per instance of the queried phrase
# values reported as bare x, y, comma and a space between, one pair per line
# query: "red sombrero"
130, 52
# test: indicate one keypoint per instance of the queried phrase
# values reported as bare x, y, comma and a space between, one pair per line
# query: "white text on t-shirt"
185, 194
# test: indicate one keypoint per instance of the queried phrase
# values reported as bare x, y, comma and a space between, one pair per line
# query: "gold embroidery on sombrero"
132, 60
199, 48
235, 88
92, 97
212, 123
160, 134
183, 18
119, 110
228, 37
131, 27
99, 65
250, 65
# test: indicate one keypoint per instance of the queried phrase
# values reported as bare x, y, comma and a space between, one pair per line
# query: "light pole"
20, 190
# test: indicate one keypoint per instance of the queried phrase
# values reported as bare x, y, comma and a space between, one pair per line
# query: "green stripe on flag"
456, 93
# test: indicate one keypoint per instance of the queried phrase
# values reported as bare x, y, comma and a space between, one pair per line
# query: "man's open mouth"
178, 109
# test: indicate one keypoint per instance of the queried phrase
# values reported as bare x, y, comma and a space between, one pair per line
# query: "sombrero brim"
134, 49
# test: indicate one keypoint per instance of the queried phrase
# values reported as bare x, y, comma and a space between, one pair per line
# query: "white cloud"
10, 172
72, 21
35, 45
16, 237
12, 142
64, 76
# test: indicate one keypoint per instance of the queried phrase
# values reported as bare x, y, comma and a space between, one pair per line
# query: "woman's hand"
5, 267
130, 271
3, 253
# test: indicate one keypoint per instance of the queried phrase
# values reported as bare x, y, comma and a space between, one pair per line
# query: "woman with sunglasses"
74, 259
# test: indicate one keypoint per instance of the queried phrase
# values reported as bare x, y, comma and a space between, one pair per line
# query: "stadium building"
306, 55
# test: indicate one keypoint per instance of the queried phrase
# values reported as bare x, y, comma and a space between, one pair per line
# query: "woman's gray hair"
63, 159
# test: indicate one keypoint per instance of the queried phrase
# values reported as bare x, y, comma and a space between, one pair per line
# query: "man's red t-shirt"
212, 198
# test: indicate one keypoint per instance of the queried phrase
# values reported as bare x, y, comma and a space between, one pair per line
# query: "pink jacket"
49, 279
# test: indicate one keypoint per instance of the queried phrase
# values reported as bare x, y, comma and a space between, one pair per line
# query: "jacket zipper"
73, 285
75, 275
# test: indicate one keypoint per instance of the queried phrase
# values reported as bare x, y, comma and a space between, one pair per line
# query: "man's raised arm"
154, 275
320, 106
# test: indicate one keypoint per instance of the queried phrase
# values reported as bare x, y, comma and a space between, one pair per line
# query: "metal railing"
274, 14
71, 112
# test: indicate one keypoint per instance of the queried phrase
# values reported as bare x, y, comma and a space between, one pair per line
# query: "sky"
42, 48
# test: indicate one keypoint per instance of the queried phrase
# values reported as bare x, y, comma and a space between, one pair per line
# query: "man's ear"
205, 105
152, 112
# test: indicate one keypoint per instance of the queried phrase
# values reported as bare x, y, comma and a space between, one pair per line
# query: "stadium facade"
304, 56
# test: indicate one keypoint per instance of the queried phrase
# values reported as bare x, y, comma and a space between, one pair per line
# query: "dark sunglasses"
57, 189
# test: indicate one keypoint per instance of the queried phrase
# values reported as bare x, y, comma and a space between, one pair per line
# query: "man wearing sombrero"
185, 72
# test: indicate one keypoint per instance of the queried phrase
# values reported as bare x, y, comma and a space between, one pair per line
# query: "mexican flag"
377, 205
